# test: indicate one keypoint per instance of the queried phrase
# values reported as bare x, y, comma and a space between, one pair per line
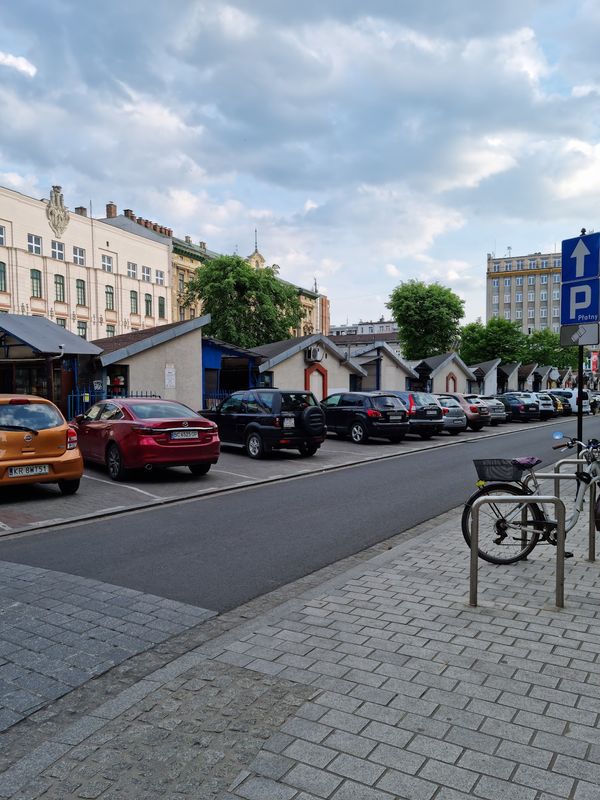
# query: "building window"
507, 314
495, 299
133, 299
192, 313
556, 294
495, 282
2, 276
59, 288
80, 292
181, 282
146, 274
496, 266
556, 312
519, 297
556, 328
495, 315
531, 280
36, 283
544, 263
148, 305
2, 235
531, 296
110, 298
507, 298
507, 266
181, 313
519, 281
556, 278
34, 244
61, 322
162, 311
543, 296
519, 314
160, 277
131, 269
507, 281
519, 264
543, 279
531, 313
82, 329
543, 326
556, 262
532, 264
79, 256
110, 330
543, 312
107, 263
58, 250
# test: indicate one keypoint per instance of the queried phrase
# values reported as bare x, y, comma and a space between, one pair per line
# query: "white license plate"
396, 417
34, 469
288, 422
432, 413
184, 434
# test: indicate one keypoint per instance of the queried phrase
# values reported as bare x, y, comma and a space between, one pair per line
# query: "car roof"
32, 398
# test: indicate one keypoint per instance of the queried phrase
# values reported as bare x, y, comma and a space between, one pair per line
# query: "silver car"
455, 419
497, 410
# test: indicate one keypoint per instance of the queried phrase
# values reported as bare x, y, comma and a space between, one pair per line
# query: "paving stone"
356, 769
264, 789
401, 785
313, 780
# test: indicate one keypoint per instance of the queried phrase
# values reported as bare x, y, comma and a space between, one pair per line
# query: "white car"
546, 405
569, 396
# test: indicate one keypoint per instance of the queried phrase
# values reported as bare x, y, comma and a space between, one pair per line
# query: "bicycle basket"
497, 469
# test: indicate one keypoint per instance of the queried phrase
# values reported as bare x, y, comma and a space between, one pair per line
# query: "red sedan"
127, 433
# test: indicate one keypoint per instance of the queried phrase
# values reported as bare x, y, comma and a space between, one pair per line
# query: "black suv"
520, 408
363, 414
425, 414
261, 420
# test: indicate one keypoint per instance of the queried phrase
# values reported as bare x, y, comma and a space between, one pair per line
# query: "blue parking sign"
581, 257
580, 302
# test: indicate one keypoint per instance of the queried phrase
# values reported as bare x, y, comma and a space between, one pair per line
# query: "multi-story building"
525, 289
359, 328
92, 279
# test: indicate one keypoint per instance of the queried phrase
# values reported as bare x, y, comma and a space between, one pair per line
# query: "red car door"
87, 431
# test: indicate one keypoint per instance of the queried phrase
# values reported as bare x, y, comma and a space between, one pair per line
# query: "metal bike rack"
505, 499
557, 468
557, 476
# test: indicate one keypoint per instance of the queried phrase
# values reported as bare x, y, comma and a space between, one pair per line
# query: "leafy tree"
499, 338
543, 347
248, 306
428, 318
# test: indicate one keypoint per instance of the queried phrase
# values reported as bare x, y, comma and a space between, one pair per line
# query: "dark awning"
42, 336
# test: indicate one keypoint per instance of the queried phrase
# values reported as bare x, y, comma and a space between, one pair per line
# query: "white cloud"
18, 63
392, 271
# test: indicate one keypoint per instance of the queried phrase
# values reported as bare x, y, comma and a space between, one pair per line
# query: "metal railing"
525, 500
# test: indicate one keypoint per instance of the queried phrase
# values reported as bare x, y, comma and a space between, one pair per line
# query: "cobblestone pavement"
57, 631
380, 683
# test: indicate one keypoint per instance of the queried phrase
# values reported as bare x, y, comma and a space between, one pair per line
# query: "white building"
359, 328
92, 278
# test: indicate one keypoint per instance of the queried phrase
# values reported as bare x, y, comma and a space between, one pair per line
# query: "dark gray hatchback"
425, 414
360, 415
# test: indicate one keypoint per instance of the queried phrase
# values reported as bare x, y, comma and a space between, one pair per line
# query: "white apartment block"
380, 326
89, 277
525, 289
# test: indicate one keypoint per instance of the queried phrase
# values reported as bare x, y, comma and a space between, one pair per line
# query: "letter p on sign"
580, 299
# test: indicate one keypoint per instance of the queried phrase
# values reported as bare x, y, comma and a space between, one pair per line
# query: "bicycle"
509, 533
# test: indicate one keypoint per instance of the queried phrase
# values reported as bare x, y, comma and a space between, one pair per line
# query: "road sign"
581, 257
579, 334
580, 302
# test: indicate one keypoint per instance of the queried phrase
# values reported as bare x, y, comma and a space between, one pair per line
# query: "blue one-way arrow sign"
580, 295
581, 257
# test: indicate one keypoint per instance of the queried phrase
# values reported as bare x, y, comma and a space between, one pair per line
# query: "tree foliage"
428, 318
498, 339
543, 347
249, 307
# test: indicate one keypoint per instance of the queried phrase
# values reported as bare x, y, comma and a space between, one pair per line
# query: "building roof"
44, 336
391, 353
125, 224
435, 363
276, 352
485, 367
525, 370
116, 348
508, 369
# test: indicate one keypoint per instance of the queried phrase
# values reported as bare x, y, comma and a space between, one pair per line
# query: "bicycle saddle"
527, 462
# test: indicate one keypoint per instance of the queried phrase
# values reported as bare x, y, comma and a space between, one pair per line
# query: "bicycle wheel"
507, 532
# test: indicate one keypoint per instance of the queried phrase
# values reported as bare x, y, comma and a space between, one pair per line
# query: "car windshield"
424, 399
296, 401
448, 402
32, 416
164, 410
388, 401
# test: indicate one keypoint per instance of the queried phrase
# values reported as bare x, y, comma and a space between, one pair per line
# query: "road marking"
235, 474
125, 486
5, 527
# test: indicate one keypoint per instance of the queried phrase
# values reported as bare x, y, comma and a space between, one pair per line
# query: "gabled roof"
44, 337
277, 352
116, 348
368, 349
542, 371
485, 367
434, 363
525, 370
508, 369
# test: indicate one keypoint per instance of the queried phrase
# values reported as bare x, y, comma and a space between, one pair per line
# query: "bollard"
527, 500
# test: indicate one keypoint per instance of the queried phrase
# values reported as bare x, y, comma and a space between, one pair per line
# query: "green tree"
544, 348
248, 306
499, 338
428, 318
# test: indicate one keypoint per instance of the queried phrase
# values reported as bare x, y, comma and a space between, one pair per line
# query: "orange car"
37, 445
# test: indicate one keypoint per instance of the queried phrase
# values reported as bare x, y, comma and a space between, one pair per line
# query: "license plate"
184, 434
288, 422
432, 413
34, 469
396, 417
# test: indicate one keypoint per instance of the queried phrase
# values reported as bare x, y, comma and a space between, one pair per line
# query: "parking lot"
36, 506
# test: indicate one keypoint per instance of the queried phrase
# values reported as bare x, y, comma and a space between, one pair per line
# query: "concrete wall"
439, 380
21, 215
290, 374
147, 369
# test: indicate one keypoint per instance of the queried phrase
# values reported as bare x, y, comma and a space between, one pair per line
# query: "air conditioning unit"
314, 353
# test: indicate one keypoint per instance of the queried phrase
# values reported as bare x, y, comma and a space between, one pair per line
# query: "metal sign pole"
579, 398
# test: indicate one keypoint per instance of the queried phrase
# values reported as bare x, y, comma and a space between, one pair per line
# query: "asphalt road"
220, 551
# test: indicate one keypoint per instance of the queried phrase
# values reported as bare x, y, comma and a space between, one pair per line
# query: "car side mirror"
79, 418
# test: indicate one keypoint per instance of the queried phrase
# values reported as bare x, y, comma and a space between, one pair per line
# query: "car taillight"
445, 410
145, 430
474, 409
18, 401
412, 409
371, 412
71, 438
521, 407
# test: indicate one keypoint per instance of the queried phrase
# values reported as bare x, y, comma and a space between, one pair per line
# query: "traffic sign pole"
579, 397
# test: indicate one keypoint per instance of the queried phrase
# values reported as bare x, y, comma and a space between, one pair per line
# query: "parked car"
497, 410
38, 446
425, 415
569, 397
519, 408
476, 411
262, 420
559, 407
130, 433
455, 419
546, 405
361, 415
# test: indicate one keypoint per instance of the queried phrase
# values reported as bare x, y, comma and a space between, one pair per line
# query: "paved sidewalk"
381, 683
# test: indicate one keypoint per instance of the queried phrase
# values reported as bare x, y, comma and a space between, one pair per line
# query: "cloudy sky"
369, 142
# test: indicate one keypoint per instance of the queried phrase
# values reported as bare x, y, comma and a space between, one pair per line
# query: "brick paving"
381, 683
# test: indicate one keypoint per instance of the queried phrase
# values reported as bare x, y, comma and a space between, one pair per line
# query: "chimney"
202, 245
111, 210
188, 239
81, 210
129, 213
169, 231
155, 226
140, 220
